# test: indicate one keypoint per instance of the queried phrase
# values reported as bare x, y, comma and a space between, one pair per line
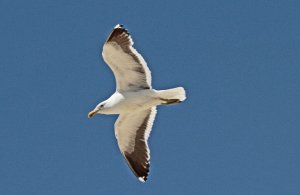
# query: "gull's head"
98, 110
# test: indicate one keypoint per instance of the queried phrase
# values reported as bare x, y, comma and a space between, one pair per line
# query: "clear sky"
237, 133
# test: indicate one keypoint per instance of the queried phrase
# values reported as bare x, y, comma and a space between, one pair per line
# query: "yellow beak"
92, 113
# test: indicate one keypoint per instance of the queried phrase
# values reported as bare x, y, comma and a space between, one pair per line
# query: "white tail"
175, 93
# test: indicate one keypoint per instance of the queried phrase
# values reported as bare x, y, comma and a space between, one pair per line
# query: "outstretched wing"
132, 131
130, 69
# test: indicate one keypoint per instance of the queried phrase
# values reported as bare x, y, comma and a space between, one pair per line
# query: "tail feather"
172, 96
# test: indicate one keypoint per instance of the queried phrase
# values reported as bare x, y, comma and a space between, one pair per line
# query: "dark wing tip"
140, 169
119, 32
119, 26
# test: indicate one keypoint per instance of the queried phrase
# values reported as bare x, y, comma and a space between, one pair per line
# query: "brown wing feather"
117, 50
133, 143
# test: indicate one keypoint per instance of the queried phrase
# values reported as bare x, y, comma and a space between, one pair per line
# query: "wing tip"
119, 30
122, 28
142, 179
141, 172
119, 26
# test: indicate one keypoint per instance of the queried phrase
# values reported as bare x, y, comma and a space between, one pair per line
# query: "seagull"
135, 100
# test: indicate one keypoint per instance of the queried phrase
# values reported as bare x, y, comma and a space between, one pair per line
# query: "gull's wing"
132, 131
129, 67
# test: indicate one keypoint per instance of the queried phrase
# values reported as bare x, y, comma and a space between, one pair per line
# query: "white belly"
132, 101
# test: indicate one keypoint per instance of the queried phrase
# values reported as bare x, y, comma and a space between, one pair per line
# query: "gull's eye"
101, 106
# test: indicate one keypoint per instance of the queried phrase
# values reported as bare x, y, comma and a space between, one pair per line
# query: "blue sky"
237, 133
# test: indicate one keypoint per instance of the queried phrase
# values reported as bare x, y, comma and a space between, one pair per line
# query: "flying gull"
134, 100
